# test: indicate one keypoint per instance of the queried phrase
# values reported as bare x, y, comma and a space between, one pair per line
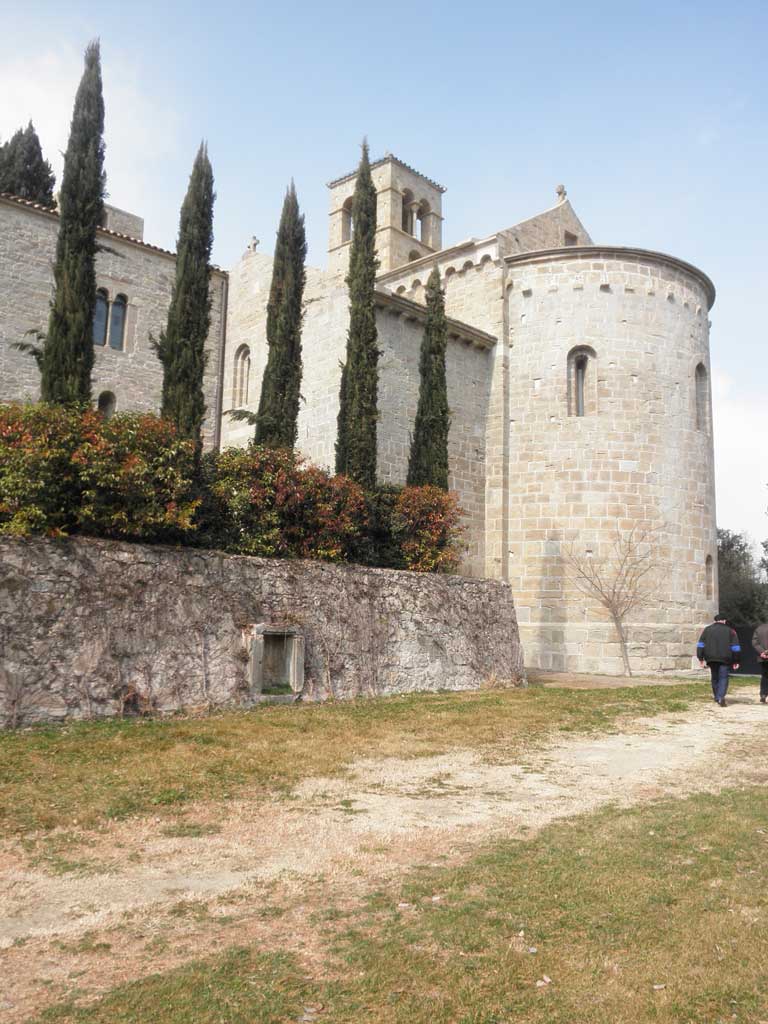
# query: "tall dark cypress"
67, 356
277, 422
23, 171
181, 347
358, 409
428, 462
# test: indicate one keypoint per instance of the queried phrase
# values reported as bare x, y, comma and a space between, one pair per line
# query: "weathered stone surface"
89, 625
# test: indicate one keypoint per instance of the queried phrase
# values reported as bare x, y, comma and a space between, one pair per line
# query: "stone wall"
474, 275
86, 623
143, 273
639, 458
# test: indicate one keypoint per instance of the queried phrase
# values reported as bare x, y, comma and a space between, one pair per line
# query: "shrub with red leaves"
67, 470
426, 521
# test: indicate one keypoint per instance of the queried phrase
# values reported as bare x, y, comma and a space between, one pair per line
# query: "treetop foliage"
67, 355
23, 170
743, 583
181, 347
358, 409
428, 461
277, 418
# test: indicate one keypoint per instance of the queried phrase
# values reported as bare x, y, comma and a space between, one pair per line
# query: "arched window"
107, 404
100, 315
241, 378
346, 220
702, 398
582, 381
117, 322
709, 568
408, 221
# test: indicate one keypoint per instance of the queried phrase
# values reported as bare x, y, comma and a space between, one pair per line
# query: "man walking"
760, 643
719, 648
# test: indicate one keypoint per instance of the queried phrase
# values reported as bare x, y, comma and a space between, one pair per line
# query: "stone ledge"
591, 252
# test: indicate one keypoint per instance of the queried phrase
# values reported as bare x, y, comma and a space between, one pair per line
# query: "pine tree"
358, 412
66, 360
23, 171
428, 462
181, 348
277, 421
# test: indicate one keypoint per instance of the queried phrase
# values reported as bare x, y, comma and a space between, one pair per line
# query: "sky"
653, 115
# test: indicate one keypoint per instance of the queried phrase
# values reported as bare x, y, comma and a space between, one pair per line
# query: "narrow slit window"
117, 323
702, 398
346, 221
100, 316
582, 381
581, 377
710, 574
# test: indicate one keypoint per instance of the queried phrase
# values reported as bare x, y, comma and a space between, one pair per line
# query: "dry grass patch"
651, 914
85, 774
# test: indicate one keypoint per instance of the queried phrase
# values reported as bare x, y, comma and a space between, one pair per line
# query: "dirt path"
144, 900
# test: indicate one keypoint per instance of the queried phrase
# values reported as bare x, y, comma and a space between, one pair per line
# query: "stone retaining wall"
88, 627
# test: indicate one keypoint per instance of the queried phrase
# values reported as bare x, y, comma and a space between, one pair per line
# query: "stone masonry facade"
578, 380
126, 266
98, 626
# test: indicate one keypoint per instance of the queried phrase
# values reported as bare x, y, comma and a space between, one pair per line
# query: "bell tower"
409, 215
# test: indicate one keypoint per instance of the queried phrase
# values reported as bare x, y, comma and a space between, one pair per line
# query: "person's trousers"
719, 680
764, 679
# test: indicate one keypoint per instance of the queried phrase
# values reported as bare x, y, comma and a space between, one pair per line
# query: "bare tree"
620, 582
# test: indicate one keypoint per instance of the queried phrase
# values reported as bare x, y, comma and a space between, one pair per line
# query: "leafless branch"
620, 582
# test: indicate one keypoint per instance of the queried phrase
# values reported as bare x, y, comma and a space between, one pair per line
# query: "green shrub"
376, 545
39, 483
265, 502
67, 470
252, 489
137, 478
328, 517
426, 521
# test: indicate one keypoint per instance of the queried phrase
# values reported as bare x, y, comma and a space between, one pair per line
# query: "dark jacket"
719, 645
760, 638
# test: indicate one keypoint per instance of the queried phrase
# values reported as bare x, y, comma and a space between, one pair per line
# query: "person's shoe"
721, 702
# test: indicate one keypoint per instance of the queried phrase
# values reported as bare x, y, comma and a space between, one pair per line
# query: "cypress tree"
428, 462
23, 171
276, 424
181, 348
358, 411
66, 360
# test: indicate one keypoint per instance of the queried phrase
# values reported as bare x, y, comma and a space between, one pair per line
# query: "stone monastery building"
578, 381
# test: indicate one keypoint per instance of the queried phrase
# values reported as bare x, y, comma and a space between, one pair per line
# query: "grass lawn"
87, 773
658, 914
